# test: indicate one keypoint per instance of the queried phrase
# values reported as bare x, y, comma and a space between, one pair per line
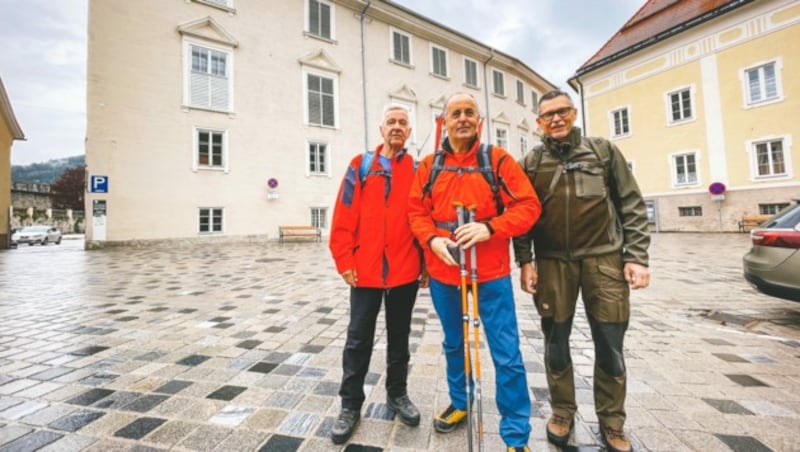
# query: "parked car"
36, 234
773, 263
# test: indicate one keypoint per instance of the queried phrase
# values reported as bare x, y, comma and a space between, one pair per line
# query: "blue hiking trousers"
499, 327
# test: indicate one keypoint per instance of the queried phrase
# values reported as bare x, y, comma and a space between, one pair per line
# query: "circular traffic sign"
272, 183
716, 188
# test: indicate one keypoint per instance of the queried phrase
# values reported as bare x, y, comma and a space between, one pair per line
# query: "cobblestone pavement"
238, 348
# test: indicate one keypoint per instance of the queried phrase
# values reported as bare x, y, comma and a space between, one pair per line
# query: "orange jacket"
522, 209
370, 232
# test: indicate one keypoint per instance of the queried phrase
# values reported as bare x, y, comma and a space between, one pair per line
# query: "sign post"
717, 190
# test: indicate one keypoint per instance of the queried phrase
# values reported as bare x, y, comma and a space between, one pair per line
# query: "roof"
655, 21
7, 114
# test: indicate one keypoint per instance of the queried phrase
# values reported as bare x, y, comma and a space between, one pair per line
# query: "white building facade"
209, 119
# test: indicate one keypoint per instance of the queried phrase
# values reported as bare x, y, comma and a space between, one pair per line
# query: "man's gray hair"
450, 97
391, 107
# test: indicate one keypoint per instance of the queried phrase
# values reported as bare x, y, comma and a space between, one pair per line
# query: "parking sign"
98, 184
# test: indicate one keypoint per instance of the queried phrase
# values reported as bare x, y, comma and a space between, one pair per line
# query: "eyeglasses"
563, 112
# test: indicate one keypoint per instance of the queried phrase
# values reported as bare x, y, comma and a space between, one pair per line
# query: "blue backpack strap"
494, 180
366, 164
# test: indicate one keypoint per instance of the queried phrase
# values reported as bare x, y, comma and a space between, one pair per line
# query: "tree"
69, 189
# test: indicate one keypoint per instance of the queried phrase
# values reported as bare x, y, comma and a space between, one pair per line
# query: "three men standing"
592, 238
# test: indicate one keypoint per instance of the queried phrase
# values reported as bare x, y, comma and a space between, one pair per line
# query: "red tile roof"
653, 19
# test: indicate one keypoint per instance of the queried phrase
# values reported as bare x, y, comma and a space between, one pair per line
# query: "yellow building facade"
710, 103
9, 132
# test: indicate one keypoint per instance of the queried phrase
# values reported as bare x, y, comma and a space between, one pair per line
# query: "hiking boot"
558, 429
408, 413
449, 419
519, 449
615, 439
344, 425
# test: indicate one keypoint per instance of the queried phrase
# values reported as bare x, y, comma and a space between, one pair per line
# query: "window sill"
439, 76
187, 108
322, 126
218, 169
311, 35
763, 103
471, 86
681, 122
499, 95
400, 63
227, 9
771, 177
521, 103
621, 137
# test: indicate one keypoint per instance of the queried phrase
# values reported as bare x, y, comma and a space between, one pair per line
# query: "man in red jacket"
434, 223
377, 256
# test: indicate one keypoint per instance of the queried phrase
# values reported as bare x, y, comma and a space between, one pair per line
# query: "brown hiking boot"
558, 429
615, 440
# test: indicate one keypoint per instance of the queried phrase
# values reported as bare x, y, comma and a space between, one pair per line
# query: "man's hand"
424, 279
439, 247
528, 278
637, 275
350, 277
471, 234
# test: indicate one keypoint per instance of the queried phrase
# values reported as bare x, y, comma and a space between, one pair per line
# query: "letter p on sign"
98, 184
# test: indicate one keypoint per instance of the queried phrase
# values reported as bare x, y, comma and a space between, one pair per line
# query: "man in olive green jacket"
592, 238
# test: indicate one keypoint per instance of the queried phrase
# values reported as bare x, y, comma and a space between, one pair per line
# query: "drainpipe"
486, 94
583, 107
364, 73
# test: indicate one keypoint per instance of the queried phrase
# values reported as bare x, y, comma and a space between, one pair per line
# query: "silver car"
773, 263
36, 234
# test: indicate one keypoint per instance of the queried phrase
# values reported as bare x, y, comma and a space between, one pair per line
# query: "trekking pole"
465, 318
476, 323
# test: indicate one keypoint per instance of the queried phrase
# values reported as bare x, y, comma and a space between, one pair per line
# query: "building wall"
140, 133
6, 139
710, 60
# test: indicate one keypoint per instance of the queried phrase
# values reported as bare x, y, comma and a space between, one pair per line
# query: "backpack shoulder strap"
436, 167
366, 164
492, 174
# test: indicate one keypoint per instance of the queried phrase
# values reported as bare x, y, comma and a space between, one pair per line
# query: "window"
520, 93
680, 105
693, 211
320, 21
771, 209
210, 219
685, 169
498, 87
209, 78
761, 83
471, 72
401, 47
317, 158
321, 95
501, 135
319, 217
210, 149
620, 120
535, 101
439, 61
523, 144
769, 158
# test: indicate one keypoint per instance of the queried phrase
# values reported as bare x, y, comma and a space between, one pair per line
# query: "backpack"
484, 167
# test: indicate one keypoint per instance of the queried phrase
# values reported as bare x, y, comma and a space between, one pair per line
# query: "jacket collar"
561, 149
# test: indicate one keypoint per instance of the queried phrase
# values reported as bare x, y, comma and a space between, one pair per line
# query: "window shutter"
325, 21
327, 102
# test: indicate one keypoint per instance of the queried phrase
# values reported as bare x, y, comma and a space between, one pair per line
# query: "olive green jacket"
591, 203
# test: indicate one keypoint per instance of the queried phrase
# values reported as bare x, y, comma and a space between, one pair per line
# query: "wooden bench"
309, 232
749, 222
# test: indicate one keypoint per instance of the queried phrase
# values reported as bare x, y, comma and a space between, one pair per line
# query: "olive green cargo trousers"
606, 298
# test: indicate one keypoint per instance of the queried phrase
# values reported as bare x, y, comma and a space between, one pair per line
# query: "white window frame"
520, 92
497, 139
523, 143
315, 212
211, 212
786, 143
502, 92
744, 77
196, 165
692, 104
477, 84
326, 159
225, 5
188, 43
673, 165
435, 48
410, 62
331, 25
306, 94
613, 122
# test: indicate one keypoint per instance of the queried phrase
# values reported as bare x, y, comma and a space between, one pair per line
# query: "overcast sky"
44, 54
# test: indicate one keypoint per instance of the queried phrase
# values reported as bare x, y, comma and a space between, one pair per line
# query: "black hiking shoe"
408, 413
345, 425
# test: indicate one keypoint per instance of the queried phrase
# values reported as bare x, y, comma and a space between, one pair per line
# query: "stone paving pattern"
237, 347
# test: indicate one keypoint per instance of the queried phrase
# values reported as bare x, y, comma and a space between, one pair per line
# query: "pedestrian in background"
377, 256
592, 238
500, 215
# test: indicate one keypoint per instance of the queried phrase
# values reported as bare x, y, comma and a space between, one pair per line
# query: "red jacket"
522, 209
370, 231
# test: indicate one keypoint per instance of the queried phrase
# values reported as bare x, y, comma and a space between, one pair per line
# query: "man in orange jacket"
378, 258
434, 223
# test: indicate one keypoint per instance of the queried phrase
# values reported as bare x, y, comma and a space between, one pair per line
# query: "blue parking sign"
98, 184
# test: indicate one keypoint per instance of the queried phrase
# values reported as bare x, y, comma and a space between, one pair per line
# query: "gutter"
486, 93
364, 73
583, 107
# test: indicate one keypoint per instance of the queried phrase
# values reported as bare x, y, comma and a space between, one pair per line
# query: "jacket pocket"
589, 185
